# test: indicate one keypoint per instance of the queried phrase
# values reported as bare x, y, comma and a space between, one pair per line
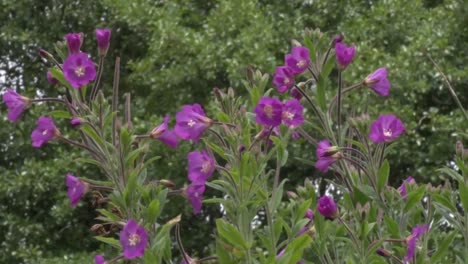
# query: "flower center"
44, 132
268, 110
286, 81
133, 239
206, 167
387, 132
288, 115
301, 64
191, 123
79, 71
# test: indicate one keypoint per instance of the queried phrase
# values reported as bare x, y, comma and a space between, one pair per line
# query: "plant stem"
95, 88
338, 115
115, 96
57, 100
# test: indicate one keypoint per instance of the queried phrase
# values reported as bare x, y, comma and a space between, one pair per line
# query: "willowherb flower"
268, 111
164, 134
344, 54
309, 214
99, 259
74, 41
51, 79
402, 189
326, 155
200, 166
283, 78
386, 128
378, 82
103, 40
412, 240
44, 132
191, 122
194, 193
76, 189
326, 207
79, 69
15, 103
298, 60
133, 239
292, 113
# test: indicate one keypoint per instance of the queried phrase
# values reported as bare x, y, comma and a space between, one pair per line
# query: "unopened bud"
167, 183
338, 39
295, 43
230, 92
219, 94
51, 79
459, 148
44, 54
291, 195
383, 252
76, 121
103, 40
241, 148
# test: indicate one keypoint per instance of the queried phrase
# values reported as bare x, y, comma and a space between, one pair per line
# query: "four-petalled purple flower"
326, 206
378, 82
133, 239
269, 111
191, 122
386, 128
15, 103
194, 193
44, 132
412, 240
344, 54
292, 113
200, 166
326, 155
76, 189
298, 60
402, 189
164, 134
283, 78
79, 69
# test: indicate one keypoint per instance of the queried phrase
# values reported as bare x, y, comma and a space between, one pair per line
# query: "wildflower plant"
240, 145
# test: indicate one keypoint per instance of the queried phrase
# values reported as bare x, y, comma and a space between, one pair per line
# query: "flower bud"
383, 252
338, 39
167, 183
76, 121
103, 40
51, 79
295, 43
291, 195
327, 207
44, 54
459, 148
230, 92
296, 94
74, 41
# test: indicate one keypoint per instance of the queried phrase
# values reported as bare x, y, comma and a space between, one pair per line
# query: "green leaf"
112, 218
110, 241
60, 114
443, 247
294, 250
153, 211
463, 191
414, 197
230, 234
384, 173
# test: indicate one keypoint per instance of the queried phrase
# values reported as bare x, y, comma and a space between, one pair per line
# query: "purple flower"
295, 135
15, 103
194, 193
75, 122
165, 135
344, 54
295, 94
44, 132
327, 207
326, 155
386, 128
402, 188
283, 78
338, 39
269, 111
412, 240
76, 189
99, 259
292, 113
133, 239
200, 166
74, 41
191, 122
378, 82
309, 214
103, 40
51, 79
79, 69
298, 60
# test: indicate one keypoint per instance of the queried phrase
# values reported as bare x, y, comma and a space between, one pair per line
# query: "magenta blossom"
74, 41
99, 259
283, 78
295, 94
402, 188
165, 135
191, 122
76, 189
200, 166
51, 79
133, 239
412, 240
309, 215
79, 69
292, 113
15, 103
194, 193
75, 122
326, 155
298, 60
326, 206
378, 82
269, 111
103, 40
386, 128
344, 54
44, 132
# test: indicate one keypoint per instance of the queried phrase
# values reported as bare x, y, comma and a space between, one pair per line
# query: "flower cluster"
296, 63
270, 112
200, 168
